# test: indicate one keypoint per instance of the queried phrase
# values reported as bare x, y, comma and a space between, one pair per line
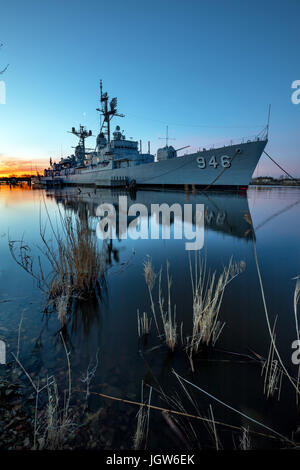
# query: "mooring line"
290, 176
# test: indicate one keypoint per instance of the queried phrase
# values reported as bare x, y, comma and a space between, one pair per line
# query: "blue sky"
208, 69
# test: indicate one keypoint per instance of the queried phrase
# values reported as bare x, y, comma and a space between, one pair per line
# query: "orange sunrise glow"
15, 167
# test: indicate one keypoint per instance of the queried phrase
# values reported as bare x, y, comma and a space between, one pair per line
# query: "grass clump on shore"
75, 268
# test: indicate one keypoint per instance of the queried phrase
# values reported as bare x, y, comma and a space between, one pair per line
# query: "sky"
206, 68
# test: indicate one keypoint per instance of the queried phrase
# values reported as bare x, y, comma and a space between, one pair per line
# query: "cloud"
18, 167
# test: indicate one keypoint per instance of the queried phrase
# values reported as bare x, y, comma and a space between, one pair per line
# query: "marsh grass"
296, 300
209, 422
90, 374
144, 325
187, 432
140, 429
207, 295
143, 416
168, 316
53, 422
56, 424
211, 425
207, 291
293, 382
245, 440
150, 277
75, 268
272, 371
228, 406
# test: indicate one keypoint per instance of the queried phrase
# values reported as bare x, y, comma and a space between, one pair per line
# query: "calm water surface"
110, 325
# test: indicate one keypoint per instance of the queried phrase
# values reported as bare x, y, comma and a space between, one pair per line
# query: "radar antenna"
167, 138
107, 111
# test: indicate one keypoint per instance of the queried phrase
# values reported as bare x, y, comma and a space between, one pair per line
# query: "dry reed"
75, 264
213, 430
143, 415
245, 440
272, 371
226, 405
296, 300
150, 277
294, 383
54, 424
208, 291
168, 317
144, 325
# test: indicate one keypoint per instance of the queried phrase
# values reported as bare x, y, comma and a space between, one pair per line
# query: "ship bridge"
120, 144
121, 150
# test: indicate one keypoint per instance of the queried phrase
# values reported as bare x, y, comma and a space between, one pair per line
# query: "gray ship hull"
227, 167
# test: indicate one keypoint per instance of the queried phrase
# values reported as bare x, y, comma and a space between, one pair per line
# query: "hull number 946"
224, 162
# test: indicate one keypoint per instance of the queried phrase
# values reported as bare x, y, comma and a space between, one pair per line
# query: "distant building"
263, 180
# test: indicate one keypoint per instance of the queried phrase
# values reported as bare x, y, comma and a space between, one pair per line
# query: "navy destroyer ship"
119, 162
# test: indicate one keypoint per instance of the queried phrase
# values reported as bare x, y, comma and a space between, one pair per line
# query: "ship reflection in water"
224, 212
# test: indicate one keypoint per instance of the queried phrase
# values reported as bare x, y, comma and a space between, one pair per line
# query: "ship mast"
167, 138
82, 133
107, 111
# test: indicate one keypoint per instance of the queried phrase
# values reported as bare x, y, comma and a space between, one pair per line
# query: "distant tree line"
270, 180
